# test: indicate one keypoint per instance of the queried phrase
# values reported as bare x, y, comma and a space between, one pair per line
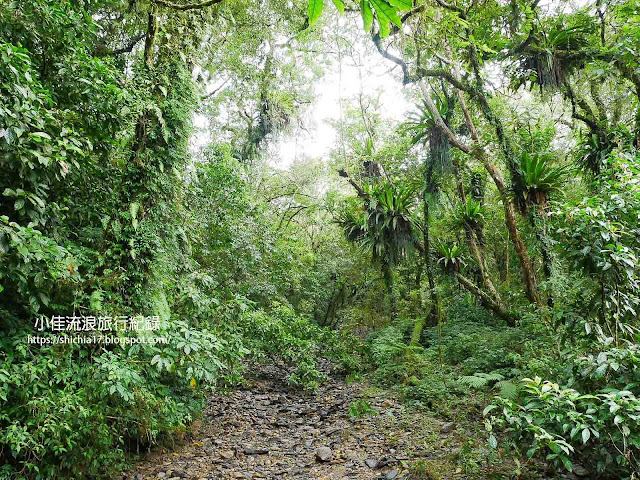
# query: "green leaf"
315, 10
386, 15
402, 4
133, 209
367, 14
493, 442
567, 463
44, 299
488, 409
41, 134
95, 300
586, 434
339, 5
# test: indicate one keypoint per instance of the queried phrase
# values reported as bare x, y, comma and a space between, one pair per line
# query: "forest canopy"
477, 258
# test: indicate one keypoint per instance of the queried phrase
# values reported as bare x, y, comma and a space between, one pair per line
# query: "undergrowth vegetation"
480, 257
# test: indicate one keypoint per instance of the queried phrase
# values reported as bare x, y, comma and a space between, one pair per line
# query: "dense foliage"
486, 246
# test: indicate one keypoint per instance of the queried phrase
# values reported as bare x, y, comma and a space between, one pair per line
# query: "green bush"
361, 408
388, 348
596, 424
282, 335
486, 350
70, 411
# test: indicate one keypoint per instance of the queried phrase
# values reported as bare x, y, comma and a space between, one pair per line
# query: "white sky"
369, 74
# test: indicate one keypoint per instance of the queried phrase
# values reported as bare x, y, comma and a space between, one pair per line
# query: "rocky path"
269, 431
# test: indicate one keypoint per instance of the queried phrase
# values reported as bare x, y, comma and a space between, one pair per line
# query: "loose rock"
448, 427
324, 454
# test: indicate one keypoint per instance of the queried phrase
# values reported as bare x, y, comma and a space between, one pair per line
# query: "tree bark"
528, 272
387, 273
498, 309
150, 37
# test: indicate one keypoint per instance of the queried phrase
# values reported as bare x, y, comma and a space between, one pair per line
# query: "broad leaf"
339, 5
367, 14
401, 4
315, 10
386, 15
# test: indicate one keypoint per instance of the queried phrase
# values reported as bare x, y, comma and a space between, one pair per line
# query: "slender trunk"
387, 273
150, 40
440, 333
439, 150
508, 277
328, 311
433, 293
471, 239
498, 309
540, 228
528, 271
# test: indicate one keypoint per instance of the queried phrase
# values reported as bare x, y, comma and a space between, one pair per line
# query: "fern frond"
481, 380
507, 389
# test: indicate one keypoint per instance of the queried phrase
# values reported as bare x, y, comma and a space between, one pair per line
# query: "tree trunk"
438, 151
470, 237
528, 271
433, 293
498, 309
540, 228
387, 273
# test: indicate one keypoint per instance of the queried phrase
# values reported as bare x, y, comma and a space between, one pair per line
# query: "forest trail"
267, 430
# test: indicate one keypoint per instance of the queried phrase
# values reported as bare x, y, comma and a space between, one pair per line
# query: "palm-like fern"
449, 256
422, 128
541, 179
469, 214
549, 59
421, 122
480, 381
593, 150
385, 226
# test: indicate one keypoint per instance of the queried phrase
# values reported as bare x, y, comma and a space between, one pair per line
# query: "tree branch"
389, 56
455, 141
188, 6
510, 318
593, 125
214, 91
451, 7
446, 75
361, 192
126, 49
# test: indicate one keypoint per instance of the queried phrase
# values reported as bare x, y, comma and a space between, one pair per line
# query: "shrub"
599, 427
361, 408
71, 411
282, 335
